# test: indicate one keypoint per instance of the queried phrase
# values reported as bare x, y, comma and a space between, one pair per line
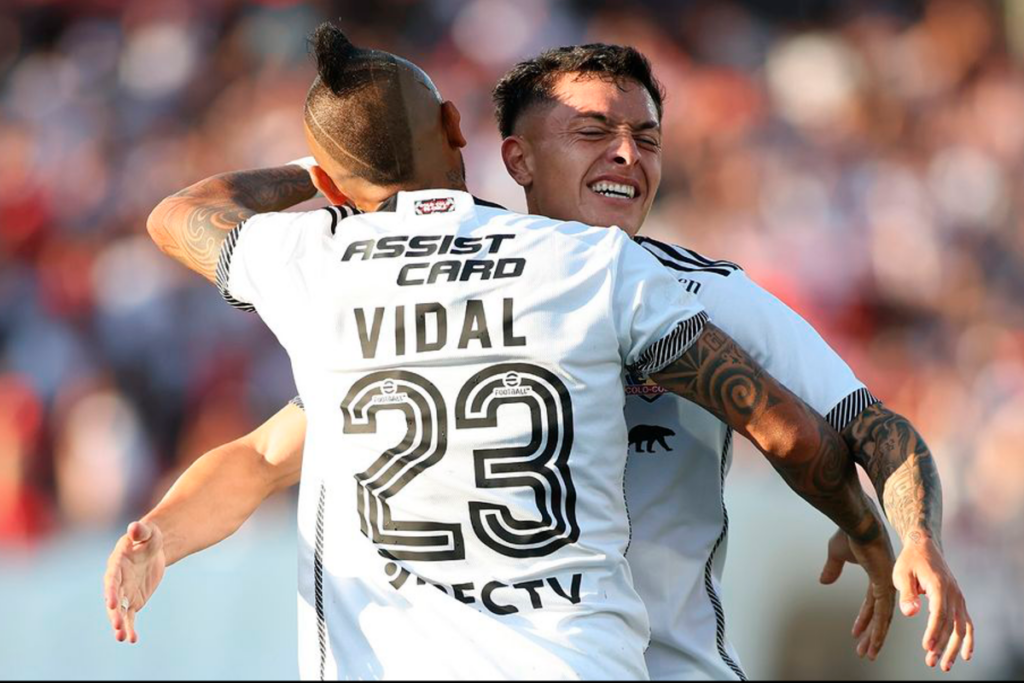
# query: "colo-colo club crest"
645, 389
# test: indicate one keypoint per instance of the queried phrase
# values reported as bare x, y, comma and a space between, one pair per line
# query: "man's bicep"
718, 375
192, 231
784, 344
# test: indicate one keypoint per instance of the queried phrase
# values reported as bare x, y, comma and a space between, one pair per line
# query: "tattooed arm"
901, 469
903, 472
190, 226
718, 375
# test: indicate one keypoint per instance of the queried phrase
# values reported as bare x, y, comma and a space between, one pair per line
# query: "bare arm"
222, 489
208, 503
191, 225
721, 377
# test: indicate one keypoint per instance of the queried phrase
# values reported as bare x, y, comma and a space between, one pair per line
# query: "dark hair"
530, 82
355, 107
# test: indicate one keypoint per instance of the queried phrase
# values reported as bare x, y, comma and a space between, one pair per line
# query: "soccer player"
489, 542
581, 129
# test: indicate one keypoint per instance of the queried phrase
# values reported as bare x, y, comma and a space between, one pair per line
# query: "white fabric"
674, 494
587, 302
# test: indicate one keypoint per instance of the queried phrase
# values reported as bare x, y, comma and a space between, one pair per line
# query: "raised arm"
191, 225
208, 503
903, 472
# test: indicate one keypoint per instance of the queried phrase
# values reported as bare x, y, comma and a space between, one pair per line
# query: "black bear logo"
649, 434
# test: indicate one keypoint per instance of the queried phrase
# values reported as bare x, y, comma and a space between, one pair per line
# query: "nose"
624, 150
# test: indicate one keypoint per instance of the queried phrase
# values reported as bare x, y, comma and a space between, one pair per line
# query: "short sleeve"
259, 253
787, 346
657, 318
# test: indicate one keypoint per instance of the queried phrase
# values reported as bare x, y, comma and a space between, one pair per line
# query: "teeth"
613, 189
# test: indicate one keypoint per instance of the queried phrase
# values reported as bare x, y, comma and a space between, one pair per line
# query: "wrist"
162, 532
920, 537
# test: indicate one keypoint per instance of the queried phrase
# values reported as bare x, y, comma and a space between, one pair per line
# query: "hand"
921, 570
134, 571
876, 558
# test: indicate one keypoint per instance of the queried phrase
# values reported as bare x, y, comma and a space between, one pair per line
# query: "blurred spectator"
863, 160
24, 507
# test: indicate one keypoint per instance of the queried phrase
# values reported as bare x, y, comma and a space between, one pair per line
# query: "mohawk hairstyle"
529, 83
355, 108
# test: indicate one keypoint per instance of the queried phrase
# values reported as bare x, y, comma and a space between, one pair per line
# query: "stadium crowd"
862, 160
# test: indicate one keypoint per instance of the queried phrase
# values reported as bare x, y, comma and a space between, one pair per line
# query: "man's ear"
451, 121
515, 152
327, 188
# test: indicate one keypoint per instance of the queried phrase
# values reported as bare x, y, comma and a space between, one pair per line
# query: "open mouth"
614, 190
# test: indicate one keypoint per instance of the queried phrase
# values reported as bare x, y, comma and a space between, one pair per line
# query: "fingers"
956, 640
940, 626
907, 586
936, 622
133, 637
111, 583
860, 626
114, 586
967, 651
864, 618
139, 532
832, 571
884, 608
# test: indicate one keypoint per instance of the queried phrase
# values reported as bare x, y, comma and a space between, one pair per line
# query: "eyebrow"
650, 124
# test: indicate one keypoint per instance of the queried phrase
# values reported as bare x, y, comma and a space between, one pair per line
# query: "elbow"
155, 225
786, 443
796, 438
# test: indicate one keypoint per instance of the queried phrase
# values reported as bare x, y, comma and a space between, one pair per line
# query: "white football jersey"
680, 454
461, 512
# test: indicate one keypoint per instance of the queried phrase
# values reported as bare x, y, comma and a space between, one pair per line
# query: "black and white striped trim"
668, 348
224, 269
685, 260
318, 580
340, 213
709, 584
849, 408
297, 402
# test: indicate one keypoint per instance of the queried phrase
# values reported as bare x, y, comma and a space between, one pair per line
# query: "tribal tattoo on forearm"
191, 225
901, 468
721, 377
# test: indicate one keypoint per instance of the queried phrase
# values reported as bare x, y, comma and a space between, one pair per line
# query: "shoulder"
683, 260
572, 235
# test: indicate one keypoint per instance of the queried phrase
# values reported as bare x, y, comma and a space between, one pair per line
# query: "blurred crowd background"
862, 160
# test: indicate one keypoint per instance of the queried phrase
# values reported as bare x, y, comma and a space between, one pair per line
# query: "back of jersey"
461, 512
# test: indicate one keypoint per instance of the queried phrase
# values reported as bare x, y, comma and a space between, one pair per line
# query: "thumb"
909, 590
832, 570
139, 532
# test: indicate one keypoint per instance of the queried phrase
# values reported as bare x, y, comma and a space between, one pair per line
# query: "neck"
379, 195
